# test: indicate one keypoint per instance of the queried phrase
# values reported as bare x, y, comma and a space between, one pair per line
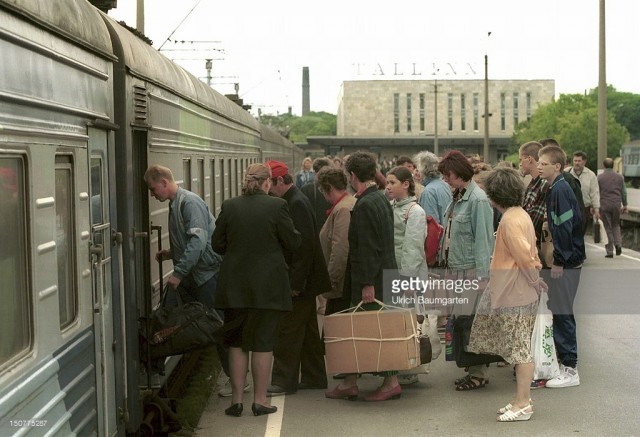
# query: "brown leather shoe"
350, 393
380, 395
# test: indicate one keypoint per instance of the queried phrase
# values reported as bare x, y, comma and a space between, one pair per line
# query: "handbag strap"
168, 289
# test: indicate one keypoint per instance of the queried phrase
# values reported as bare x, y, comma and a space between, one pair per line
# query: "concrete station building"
401, 117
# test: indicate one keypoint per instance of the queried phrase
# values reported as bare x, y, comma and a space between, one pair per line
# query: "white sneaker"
407, 379
568, 378
226, 389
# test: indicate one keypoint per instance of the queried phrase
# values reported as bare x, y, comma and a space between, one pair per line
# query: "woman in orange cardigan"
507, 310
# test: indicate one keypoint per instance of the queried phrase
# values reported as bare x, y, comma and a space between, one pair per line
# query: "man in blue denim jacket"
191, 225
195, 264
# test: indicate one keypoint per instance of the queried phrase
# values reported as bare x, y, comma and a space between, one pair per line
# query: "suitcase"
597, 231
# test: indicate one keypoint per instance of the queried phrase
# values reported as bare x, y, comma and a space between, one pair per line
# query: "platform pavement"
605, 404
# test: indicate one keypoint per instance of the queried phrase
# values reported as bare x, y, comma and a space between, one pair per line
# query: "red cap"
278, 169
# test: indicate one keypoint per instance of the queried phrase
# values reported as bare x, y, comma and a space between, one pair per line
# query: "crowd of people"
317, 241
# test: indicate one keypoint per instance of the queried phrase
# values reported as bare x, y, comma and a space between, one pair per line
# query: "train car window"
96, 191
214, 187
15, 315
222, 176
186, 174
201, 192
65, 238
236, 172
230, 178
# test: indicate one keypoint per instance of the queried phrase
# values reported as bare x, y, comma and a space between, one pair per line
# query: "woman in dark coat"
252, 231
371, 251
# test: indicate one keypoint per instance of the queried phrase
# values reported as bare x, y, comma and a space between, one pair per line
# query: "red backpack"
434, 231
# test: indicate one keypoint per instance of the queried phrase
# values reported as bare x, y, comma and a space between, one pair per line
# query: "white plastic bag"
543, 348
428, 327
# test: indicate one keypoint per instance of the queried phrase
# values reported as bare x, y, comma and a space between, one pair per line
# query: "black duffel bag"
461, 334
181, 329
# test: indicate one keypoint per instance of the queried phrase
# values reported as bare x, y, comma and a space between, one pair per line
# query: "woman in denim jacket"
468, 242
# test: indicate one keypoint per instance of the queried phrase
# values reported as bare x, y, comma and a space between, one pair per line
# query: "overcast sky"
264, 45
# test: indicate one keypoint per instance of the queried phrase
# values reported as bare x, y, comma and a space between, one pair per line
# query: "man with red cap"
299, 349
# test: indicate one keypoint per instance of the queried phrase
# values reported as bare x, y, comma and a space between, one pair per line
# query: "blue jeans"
562, 293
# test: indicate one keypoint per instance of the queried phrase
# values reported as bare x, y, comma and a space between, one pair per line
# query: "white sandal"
509, 406
520, 415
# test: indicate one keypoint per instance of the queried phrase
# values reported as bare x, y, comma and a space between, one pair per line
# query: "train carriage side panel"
275, 146
58, 82
189, 127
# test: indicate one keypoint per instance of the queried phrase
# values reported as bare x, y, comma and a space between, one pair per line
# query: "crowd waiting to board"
293, 246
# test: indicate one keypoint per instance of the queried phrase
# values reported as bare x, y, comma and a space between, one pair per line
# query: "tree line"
573, 121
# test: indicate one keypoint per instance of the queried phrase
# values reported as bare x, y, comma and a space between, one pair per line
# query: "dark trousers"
337, 304
587, 219
562, 293
611, 221
190, 292
299, 352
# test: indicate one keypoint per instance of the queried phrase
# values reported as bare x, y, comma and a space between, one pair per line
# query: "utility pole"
602, 92
485, 152
140, 16
208, 65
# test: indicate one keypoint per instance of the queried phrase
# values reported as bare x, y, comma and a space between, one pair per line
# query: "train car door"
102, 290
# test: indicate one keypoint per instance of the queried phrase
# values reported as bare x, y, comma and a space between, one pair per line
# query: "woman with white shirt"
409, 233
409, 223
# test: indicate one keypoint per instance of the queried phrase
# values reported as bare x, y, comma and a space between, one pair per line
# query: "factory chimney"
306, 106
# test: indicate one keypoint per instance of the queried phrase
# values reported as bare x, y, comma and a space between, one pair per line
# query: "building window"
16, 323
422, 103
408, 112
396, 113
475, 111
503, 111
65, 240
528, 105
515, 109
450, 110
463, 113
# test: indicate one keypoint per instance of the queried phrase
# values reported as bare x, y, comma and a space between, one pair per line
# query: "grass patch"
197, 392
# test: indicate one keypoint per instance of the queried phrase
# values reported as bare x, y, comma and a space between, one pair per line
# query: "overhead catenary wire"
180, 24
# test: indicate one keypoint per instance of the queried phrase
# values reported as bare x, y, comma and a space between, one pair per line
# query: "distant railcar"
630, 154
85, 107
